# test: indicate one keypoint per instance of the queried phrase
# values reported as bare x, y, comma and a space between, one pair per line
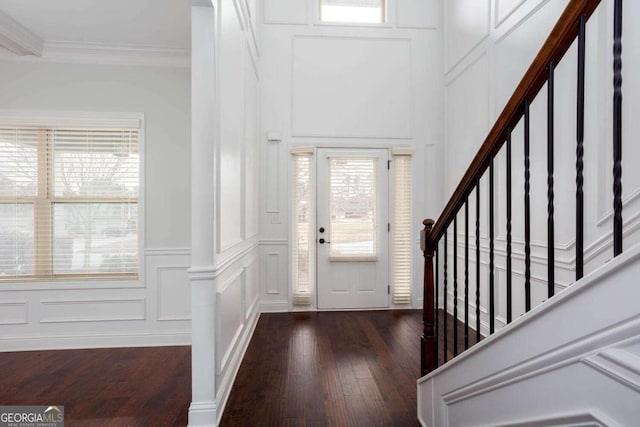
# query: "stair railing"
570, 26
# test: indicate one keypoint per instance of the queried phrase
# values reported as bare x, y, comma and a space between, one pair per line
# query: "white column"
203, 410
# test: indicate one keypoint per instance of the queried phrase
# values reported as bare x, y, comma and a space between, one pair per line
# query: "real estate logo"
31, 416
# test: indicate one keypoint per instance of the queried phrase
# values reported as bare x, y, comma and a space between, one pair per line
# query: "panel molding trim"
138, 314
20, 315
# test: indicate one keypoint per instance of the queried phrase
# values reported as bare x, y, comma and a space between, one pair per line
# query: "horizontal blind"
71, 196
302, 230
401, 230
352, 206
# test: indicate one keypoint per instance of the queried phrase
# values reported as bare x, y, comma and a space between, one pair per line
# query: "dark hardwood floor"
144, 386
303, 369
329, 369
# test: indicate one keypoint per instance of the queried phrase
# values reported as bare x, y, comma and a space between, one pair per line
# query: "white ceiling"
144, 23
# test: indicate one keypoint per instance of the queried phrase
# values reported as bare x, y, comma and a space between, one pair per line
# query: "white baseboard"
274, 307
203, 414
68, 342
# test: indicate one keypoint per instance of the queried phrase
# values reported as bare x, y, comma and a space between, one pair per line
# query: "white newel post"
203, 410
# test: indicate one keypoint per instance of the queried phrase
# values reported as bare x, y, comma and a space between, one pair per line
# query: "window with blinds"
353, 11
401, 229
68, 202
352, 207
303, 223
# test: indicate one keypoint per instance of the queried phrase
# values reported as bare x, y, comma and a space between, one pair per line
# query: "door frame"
313, 148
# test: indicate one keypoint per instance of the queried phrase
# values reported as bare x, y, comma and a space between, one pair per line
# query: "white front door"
352, 244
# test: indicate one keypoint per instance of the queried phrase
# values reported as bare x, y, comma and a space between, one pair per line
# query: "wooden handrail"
562, 36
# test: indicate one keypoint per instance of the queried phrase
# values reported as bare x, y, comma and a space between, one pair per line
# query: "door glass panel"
352, 207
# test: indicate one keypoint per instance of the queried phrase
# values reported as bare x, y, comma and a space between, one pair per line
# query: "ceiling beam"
17, 38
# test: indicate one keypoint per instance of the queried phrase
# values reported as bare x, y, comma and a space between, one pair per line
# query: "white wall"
226, 110
156, 310
238, 84
346, 86
489, 45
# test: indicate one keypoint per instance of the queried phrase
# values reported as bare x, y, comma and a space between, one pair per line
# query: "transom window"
68, 202
353, 11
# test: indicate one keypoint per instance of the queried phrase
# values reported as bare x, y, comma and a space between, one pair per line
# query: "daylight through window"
353, 11
68, 202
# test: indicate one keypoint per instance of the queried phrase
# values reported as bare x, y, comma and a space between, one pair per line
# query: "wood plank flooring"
329, 369
102, 387
301, 369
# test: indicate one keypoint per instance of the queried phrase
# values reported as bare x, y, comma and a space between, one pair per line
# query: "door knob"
321, 229
322, 241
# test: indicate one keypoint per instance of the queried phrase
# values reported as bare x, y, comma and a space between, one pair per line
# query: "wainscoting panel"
274, 276
14, 313
92, 310
555, 365
155, 311
174, 294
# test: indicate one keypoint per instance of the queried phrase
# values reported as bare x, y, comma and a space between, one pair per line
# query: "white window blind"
68, 202
352, 206
303, 219
401, 229
353, 11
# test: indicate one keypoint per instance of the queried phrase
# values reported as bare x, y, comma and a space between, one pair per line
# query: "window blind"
303, 216
401, 229
68, 202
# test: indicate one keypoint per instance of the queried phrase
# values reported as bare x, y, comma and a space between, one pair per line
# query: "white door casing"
353, 210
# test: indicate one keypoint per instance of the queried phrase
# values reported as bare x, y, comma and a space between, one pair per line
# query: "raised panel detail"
174, 294
467, 101
231, 77
14, 313
230, 321
273, 176
466, 25
285, 12
351, 87
251, 287
92, 310
273, 273
251, 165
504, 8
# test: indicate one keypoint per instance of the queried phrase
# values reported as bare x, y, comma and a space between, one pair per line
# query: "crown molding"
17, 38
108, 54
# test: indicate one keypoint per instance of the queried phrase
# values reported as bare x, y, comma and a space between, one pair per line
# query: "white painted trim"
449, 64
545, 362
57, 119
582, 418
159, 299
108, 54
274, 306
17, 38
24, 320
117, 318
240, 250
167, 251
101, 340
617, 364
203, 413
